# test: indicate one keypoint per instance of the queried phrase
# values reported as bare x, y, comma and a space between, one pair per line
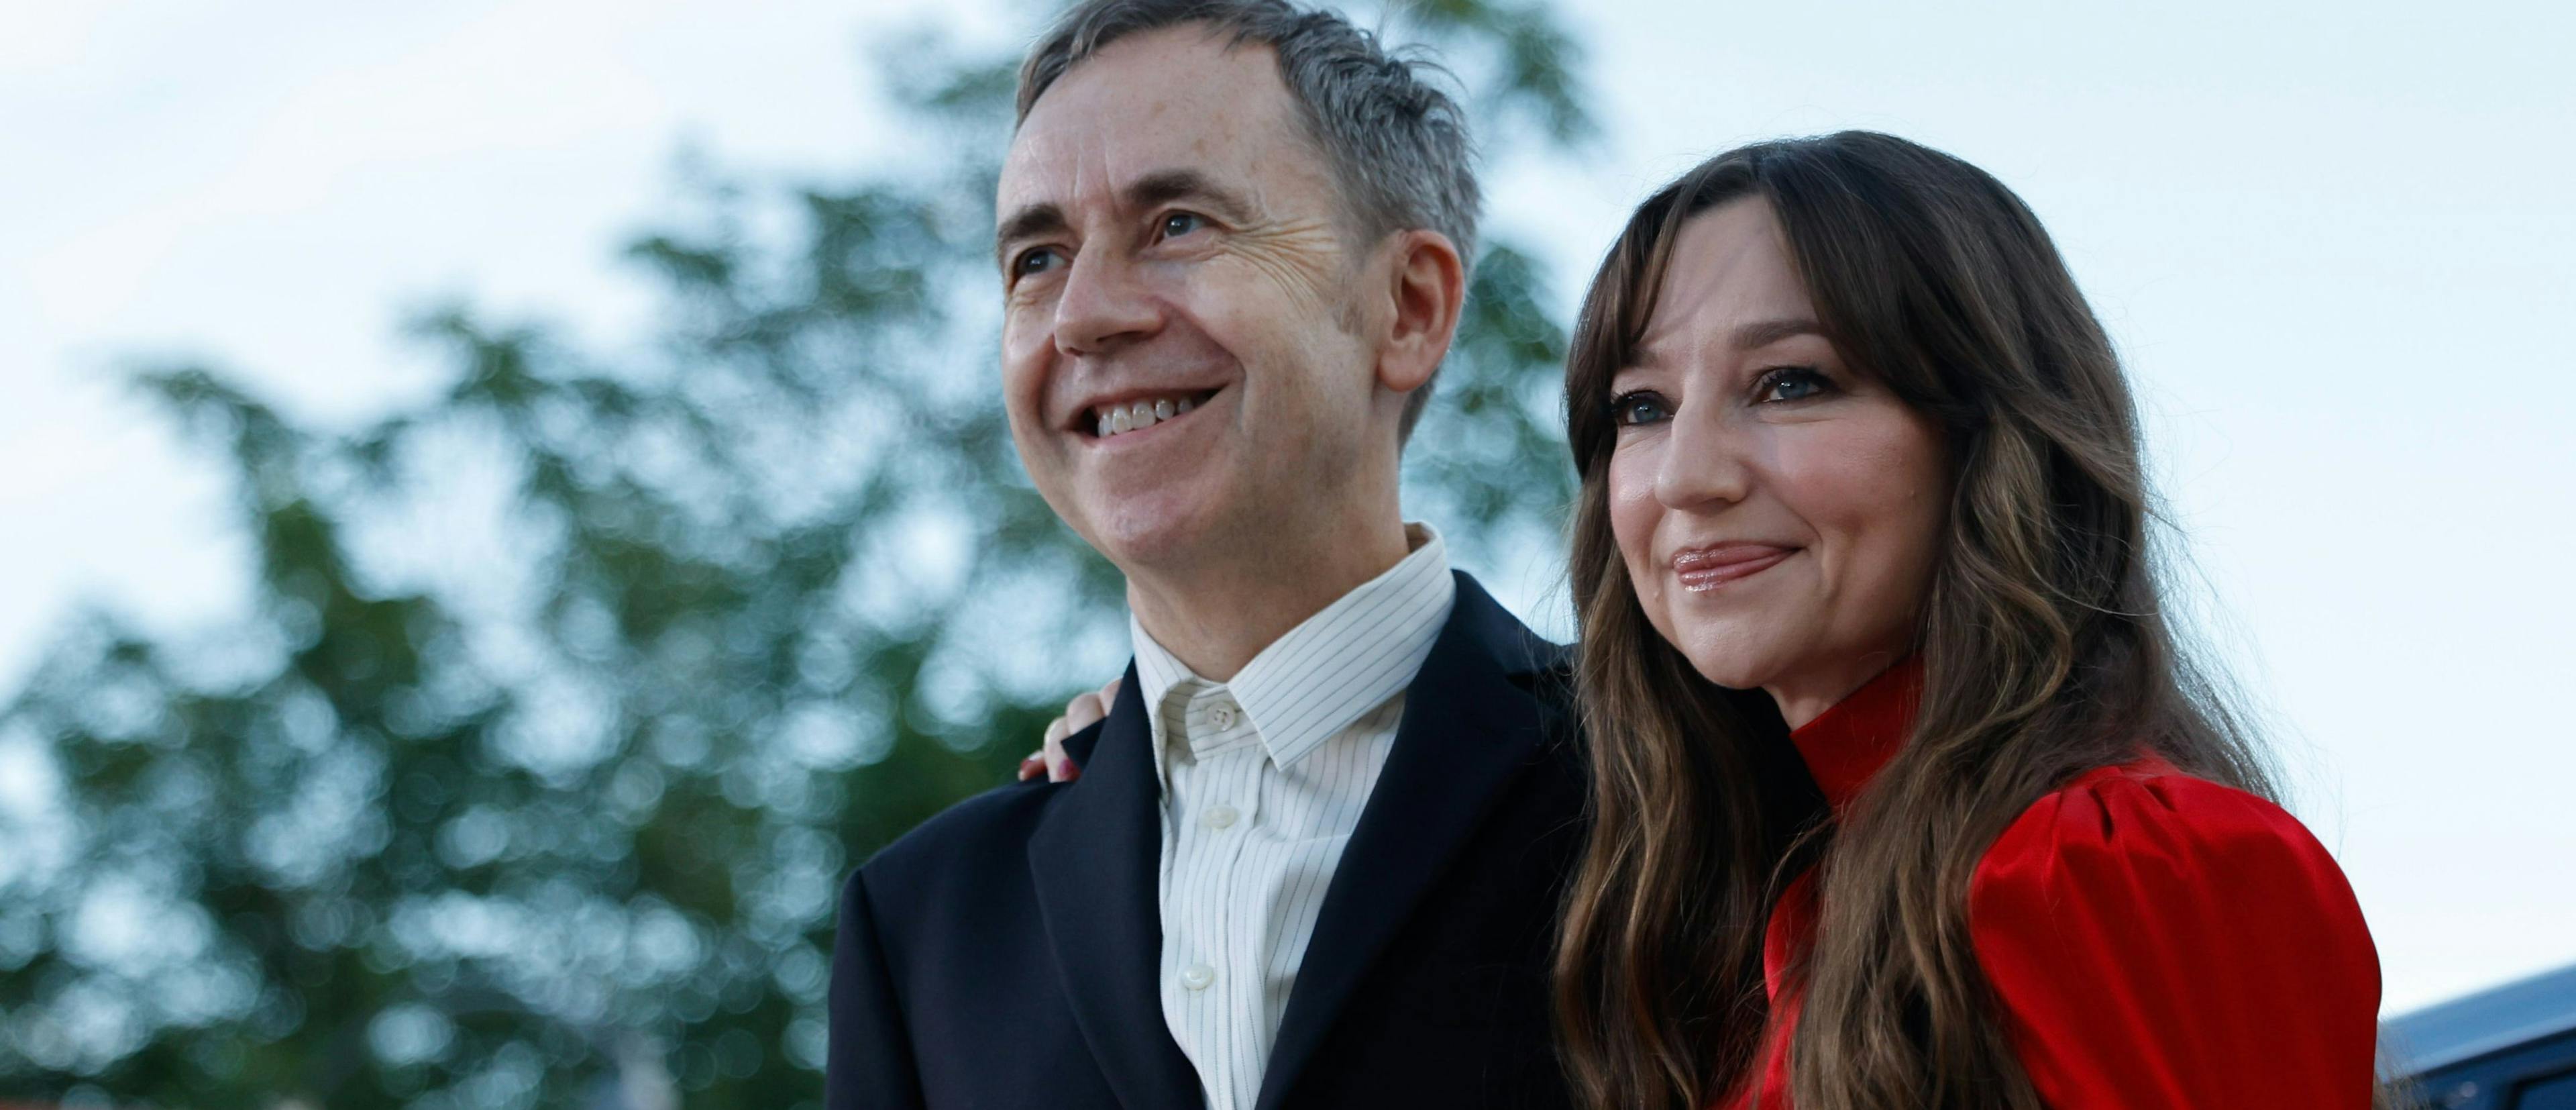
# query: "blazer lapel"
1467, 730
1096, 861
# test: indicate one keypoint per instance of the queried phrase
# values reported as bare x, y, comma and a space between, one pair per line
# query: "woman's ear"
1428, 283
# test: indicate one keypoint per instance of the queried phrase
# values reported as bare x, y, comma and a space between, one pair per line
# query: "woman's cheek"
1869, 488
1633, 509
1634, 514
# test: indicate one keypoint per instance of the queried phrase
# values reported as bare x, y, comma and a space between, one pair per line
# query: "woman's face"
1777, 511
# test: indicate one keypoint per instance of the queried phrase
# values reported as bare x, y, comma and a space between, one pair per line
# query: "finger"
1060, 768
1038, 761
1084, 711
1109, 693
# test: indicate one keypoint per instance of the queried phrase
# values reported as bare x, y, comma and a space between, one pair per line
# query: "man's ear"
1428, 284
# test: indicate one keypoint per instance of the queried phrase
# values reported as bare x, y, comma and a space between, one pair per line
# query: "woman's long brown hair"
2045, 647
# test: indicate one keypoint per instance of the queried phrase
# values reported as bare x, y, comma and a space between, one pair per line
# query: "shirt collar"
1847, 744
1334, 666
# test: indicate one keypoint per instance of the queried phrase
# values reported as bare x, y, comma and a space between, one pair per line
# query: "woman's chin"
1730, 666
1739, 651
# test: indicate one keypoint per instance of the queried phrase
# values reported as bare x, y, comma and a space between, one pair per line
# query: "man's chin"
1145, 538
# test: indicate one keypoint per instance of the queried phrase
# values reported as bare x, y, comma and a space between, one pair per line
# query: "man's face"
1174, 264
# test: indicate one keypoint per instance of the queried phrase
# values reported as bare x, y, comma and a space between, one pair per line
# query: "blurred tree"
573, 692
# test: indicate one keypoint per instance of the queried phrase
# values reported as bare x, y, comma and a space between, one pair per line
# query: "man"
1314, 852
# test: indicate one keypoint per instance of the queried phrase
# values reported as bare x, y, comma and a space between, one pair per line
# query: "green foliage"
573, 691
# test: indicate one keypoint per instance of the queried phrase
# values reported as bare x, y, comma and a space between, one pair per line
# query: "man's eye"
1792, 383
1034, 262
1182, 223
1641, 407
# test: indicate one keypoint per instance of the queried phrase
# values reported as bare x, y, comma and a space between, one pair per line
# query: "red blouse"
2153, 939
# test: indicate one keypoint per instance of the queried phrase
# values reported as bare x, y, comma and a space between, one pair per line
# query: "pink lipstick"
1707, 568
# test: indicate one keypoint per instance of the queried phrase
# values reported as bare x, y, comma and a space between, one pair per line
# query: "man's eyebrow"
1764, 333
1162, 187
1150, 191
1029, 222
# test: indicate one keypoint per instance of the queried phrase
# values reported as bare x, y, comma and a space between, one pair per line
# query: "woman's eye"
1792, 383
1629, 409
1034, 262
1182, 223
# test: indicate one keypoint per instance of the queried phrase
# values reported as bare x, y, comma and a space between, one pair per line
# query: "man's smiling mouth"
1137, 413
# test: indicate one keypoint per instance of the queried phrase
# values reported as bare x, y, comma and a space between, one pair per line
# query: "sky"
2333, 242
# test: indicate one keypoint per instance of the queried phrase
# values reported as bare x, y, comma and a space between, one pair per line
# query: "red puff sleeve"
2157, 940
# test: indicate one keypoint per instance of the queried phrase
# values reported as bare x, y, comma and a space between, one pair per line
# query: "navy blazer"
1003, 955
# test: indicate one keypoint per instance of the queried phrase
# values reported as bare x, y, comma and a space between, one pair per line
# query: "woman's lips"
1707, 568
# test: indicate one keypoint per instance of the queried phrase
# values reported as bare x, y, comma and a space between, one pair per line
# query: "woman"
1861, 482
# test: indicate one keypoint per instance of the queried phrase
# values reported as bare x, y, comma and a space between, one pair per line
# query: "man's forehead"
1174, 98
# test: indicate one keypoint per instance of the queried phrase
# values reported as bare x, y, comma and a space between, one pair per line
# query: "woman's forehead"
1730, 281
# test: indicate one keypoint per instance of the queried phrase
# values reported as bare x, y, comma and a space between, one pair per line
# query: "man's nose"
1104, 305
1703, 465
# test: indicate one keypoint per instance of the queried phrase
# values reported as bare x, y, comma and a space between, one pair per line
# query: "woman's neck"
1805, 695
1846, 744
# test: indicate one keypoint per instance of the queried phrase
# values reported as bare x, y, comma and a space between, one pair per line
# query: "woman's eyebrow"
1763, 333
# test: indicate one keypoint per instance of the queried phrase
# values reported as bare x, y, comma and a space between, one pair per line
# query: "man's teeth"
1142, 414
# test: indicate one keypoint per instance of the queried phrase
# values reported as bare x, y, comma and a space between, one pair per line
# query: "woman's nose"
1701, 465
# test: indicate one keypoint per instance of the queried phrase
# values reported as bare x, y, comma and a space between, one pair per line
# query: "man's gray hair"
1397, 143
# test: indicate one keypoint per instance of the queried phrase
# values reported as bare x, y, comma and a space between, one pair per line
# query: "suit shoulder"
987, 830
1545, 669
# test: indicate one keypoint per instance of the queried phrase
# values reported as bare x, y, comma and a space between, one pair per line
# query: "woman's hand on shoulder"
1085, 710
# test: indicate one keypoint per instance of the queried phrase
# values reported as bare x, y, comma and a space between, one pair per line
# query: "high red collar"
1847, 744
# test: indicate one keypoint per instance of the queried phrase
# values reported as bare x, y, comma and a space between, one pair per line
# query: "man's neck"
1214, 618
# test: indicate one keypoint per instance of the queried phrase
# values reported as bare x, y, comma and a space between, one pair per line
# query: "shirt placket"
1219, 804
1245, 882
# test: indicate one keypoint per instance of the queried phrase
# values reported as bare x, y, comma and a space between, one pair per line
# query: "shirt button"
1222, 717
1220, 816
1197, 976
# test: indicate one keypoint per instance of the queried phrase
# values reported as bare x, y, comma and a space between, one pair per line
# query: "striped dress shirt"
1263, 779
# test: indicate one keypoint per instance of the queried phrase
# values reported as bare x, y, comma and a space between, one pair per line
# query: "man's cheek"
1023, 382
